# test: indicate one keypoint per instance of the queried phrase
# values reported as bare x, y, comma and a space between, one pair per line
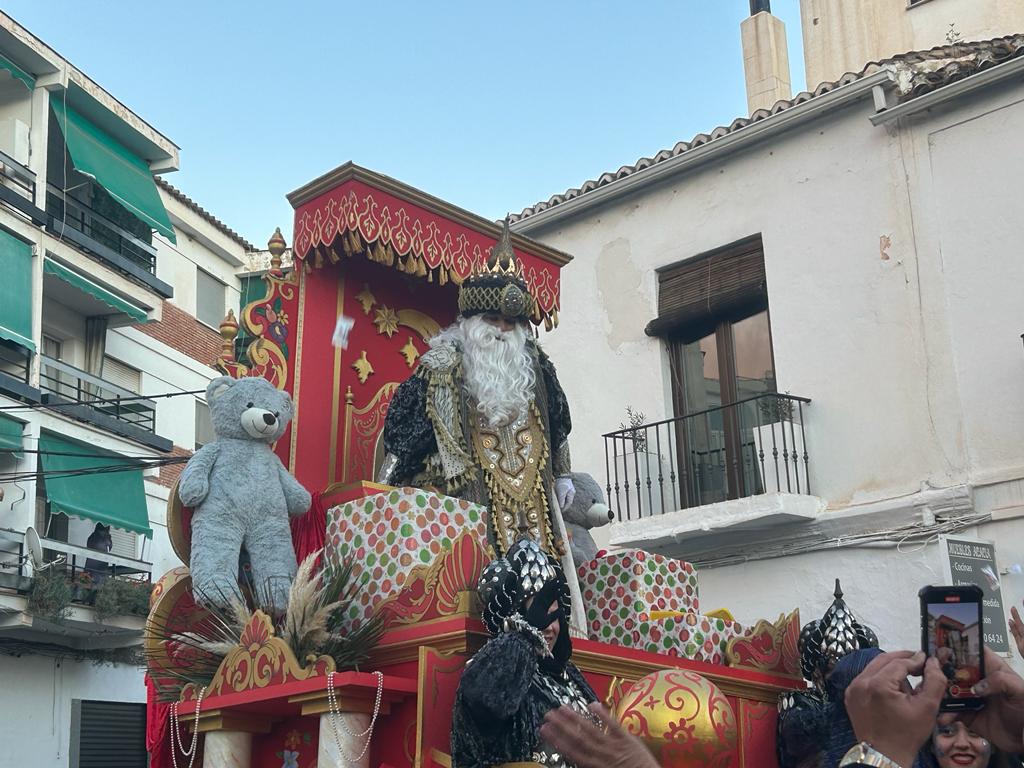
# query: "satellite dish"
34, 548
35, 551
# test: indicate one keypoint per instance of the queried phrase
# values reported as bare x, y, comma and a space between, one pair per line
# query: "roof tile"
916, 73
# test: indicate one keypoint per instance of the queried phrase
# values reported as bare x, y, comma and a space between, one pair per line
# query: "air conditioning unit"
14, 139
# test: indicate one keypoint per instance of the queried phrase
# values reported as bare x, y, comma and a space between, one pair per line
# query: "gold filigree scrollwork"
259, 660
267, 323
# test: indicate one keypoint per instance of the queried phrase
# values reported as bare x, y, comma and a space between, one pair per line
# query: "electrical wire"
918, 532
101, 400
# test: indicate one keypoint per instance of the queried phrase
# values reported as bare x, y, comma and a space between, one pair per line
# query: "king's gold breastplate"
512, 457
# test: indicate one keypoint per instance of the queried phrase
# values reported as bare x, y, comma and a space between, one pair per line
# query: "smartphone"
951, 624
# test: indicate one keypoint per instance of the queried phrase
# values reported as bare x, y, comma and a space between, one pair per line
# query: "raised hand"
587, 745
887, 712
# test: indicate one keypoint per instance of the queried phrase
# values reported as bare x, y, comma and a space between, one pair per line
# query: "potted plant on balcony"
122, 597
780, 440
83, 588
50, 594
635, 460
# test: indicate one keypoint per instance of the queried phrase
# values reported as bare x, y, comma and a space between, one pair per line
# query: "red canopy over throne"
391, 257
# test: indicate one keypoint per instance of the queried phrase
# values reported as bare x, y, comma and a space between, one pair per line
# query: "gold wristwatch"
865, 754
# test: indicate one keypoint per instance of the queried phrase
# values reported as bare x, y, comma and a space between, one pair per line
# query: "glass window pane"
752, 348
702, 380
204, 425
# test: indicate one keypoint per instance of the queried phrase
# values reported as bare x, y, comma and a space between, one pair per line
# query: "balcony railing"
105, 399
15, 364
15, 557
18, 189
750, 447
68, 212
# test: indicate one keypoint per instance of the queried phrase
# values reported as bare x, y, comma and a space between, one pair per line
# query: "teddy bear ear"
218, 387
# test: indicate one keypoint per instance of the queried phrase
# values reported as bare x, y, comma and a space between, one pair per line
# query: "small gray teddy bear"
241, 494
586, 510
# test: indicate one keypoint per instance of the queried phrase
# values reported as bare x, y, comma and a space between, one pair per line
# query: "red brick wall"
169, 473
183, 332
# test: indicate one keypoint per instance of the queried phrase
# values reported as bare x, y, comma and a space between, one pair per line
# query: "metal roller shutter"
122, 375
108, 734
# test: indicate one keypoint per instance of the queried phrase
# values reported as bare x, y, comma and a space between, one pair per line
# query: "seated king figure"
484, 418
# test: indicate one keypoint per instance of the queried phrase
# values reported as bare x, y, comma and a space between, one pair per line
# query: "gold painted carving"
366, 299
363, 367
410, 353
386, 320
259, 660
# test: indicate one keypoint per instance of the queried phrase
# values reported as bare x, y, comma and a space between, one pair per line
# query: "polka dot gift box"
389, 534
650, 602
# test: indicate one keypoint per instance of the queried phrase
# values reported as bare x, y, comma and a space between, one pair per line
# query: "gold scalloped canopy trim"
352, 243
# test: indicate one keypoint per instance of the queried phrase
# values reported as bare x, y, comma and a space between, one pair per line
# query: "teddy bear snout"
599, 514
259, 422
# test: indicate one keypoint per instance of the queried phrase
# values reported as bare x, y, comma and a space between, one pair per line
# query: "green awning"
115, 167
97, 486
10, 434
17, 72
16, 290
82, 283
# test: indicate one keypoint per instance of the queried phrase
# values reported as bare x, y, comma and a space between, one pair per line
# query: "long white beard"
497, 368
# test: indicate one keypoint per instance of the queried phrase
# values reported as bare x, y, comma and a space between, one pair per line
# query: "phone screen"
954, 638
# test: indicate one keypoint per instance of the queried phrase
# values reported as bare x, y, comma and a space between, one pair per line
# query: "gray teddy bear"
241, 495
586, 510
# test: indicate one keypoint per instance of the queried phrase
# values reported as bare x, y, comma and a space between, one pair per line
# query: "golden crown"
502, 261
498, 285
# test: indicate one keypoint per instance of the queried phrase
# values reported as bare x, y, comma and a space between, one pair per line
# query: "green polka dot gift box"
627, 595
387, 535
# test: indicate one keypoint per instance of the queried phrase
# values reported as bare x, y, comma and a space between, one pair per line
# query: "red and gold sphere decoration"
684, 719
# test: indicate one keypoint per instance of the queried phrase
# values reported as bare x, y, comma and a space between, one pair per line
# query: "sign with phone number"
973, 561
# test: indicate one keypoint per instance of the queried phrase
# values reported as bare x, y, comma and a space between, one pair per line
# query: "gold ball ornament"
684, 719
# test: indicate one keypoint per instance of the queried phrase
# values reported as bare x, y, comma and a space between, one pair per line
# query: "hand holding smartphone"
951, 631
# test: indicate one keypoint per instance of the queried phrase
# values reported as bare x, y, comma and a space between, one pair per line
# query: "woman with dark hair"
954, 745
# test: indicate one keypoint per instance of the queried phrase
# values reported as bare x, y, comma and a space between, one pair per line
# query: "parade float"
365, 672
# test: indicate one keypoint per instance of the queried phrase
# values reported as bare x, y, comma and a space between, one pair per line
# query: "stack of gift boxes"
633, 598
650, 602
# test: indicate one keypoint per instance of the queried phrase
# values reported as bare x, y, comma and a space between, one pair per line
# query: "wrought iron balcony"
750, 447
89, 398
72, 220
31, 622
18, 189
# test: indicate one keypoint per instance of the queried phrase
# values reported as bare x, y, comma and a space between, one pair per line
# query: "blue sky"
492, 106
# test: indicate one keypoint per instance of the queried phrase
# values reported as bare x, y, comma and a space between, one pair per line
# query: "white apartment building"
817, 311
113, 285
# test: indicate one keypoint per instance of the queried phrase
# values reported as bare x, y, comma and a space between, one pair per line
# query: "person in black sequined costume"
524, 671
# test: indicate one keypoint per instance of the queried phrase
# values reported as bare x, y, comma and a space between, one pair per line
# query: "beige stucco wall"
893, 285
842, 36
894, 279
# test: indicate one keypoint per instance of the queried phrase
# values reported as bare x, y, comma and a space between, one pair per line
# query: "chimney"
765, 57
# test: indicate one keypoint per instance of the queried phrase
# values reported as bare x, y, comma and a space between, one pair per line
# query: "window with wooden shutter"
107, 734
696, 294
